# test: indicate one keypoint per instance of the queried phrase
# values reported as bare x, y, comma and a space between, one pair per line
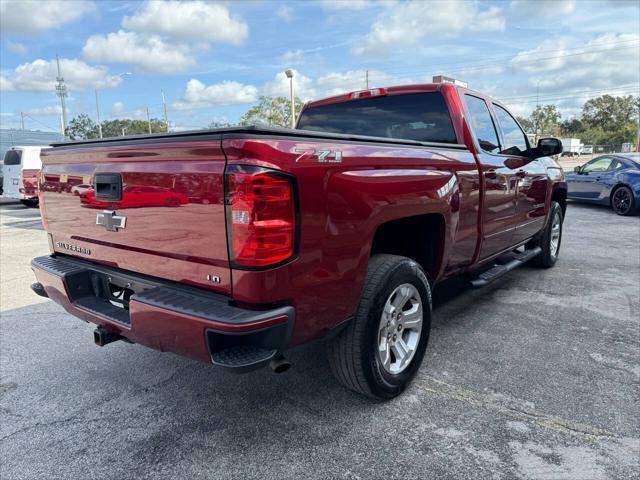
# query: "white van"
20, 171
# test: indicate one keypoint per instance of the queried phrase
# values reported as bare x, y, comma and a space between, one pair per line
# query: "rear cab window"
423, 117
482, 124
13, 157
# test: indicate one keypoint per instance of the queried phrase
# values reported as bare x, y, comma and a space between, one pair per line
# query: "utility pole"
289, 74
537, 106
22, 121
164, 107
98, 114
61, 91
366, 79
148, 120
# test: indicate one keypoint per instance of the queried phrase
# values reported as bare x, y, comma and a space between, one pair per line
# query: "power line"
625, 88
510, 57
38, 121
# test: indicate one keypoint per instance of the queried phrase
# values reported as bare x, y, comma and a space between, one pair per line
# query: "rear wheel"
622, 201
380, 351
550, 239
31, 203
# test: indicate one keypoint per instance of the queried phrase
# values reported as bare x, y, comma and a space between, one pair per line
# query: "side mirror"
577, 169
549, 146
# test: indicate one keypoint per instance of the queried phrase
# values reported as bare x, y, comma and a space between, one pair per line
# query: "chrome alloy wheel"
400, 328
556, 226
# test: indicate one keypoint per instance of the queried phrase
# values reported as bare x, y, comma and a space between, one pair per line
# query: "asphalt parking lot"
535, 376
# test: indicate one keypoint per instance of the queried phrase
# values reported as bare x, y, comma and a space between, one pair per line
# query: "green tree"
610, 113
526, 124
571, 128
82, 128
545, 120
216, 124
118, 127
272, 111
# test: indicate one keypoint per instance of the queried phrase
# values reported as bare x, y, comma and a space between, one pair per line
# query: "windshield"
419, 116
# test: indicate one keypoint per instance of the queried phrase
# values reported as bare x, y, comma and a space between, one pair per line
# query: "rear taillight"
261, 216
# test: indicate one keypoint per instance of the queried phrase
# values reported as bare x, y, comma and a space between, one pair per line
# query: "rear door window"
418, 116
515, 141
482, 124
13, 157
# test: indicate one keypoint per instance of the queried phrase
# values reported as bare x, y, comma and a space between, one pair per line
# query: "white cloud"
49, 110
285, 12
345, 4
35, 16
335, 83
16, 47
147, 52
607, 61
332, 83
6, 85
406, 24
302, 85
292, 57
542, 8
568, 71
117, 108
40, 76
226, 93
188, 20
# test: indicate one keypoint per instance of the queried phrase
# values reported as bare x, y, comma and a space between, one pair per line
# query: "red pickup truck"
338, 229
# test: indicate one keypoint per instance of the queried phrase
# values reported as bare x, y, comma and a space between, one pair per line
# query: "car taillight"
261, 216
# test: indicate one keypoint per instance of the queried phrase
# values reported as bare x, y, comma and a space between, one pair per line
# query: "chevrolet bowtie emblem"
109, 220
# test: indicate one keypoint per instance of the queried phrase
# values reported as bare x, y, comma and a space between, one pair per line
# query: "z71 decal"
322, 156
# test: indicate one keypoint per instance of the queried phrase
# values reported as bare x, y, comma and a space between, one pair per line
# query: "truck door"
498, 206
532, 182
12, 172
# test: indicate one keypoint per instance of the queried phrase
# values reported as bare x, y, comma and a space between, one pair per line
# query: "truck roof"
393, 90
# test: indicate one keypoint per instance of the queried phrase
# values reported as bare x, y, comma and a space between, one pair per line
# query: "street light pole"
148, 119
98, 114
289, 74
61, 91
164, 106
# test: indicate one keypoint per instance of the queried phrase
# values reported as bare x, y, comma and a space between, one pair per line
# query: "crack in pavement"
515, 408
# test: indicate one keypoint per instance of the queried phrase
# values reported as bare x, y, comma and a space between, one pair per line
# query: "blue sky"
213, 59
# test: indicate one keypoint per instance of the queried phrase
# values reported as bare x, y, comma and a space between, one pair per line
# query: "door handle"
491, 174
597, 179
521, 174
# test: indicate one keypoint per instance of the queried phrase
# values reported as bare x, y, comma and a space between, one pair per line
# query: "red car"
338, 229
136, 196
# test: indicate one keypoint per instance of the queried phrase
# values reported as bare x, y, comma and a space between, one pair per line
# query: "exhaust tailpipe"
102, 337
279, 364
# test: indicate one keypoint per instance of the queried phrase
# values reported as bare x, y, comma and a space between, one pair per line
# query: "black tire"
353, 353
547, 257
622, 201
30, 203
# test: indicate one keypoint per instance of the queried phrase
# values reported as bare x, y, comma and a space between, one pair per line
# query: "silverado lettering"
241, 243
73, 248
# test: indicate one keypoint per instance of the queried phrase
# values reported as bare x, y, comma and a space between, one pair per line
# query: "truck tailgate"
168, 220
